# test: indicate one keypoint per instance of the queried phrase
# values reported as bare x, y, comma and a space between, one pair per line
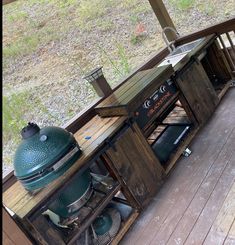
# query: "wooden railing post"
99, 83
163, 17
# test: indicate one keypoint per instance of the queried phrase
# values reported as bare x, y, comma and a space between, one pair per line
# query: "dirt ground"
49, 45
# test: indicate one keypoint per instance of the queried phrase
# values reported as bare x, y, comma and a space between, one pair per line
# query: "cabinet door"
137, 165
198, 91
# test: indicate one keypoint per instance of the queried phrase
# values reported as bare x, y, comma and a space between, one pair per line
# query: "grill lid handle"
30, 130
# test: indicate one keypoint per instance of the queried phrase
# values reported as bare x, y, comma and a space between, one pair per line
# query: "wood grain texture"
191, 183
163, 17
49, 234
199, 92
212, 207
216, 64
125, 101
12, 234
224, 220
138, 166
187, 221
230, 238
220, 28
6, 240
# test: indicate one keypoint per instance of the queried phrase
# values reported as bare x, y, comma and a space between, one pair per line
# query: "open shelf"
107, 194
216, 70
126, 214
168, 134
94, 207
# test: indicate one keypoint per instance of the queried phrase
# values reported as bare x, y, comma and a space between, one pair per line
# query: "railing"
224, 31
83, 117
228, 49
218, 29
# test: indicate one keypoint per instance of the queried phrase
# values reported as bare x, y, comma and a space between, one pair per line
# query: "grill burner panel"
126, 100
155, 102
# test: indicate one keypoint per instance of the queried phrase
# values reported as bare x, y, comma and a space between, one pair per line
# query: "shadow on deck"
196, 204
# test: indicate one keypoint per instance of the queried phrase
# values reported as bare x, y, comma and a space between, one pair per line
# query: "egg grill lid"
53, 167
41, 149
43, 155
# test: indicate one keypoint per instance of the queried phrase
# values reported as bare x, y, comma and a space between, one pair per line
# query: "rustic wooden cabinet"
136, 163
118, 145
164, 126
198, 91
217, 68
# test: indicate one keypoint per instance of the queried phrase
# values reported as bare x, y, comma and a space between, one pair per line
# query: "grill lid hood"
39, 151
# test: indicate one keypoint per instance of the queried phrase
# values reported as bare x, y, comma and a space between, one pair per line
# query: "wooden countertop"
129, 96
22, 203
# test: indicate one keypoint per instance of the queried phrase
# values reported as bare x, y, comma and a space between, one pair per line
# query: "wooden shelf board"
180, 150
76, 233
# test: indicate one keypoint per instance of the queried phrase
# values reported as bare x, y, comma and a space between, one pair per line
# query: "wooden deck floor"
196, 204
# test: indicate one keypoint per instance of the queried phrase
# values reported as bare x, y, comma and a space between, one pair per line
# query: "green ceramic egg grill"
43, 156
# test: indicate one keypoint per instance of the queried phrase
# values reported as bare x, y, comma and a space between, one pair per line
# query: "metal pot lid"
111, 232
102, 224
41, 148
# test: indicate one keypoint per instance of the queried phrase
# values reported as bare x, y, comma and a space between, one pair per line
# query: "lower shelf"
94, 212
221, 92
171, 162
125, 227
169, 140
123, 216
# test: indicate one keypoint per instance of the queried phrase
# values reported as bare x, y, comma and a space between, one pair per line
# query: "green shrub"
120, 64
183, 4
17, 15
124, 65
13, 108
22, 46
92, 10
207, 7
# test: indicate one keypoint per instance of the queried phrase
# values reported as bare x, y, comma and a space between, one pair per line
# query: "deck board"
230, 238
224, 220
197, 191
203, 193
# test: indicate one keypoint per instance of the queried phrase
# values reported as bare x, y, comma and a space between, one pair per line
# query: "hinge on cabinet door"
232, 84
